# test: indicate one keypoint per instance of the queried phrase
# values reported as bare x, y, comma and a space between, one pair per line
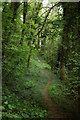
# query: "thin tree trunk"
29, 57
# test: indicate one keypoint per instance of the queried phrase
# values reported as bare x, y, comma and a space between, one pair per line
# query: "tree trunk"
29, 57
14, 7
24, 20
64, 49
69, 21
62, 72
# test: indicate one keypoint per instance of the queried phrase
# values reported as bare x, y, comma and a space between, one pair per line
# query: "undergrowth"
23, 98
61, 93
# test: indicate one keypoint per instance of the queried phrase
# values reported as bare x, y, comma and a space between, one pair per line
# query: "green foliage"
63, 95
22, 86
31, 103
30, 84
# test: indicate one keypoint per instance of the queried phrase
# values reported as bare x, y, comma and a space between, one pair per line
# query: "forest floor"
38, 94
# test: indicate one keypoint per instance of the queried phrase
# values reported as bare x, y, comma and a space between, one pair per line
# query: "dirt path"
52, 108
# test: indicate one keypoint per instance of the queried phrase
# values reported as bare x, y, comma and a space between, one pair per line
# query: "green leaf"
36, 25
10, 106
6, 102
3, 108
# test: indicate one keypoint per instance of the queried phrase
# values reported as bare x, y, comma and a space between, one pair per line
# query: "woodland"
40, 60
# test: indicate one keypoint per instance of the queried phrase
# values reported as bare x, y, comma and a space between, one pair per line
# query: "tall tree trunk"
64, 49
24, 20
69, 17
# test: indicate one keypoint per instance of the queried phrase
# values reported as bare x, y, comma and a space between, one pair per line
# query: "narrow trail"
52, 108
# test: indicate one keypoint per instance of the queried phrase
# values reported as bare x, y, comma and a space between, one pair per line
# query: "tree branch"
46, 18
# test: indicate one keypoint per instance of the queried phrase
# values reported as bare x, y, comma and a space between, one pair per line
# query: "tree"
11, 25
25, 5
70, 12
